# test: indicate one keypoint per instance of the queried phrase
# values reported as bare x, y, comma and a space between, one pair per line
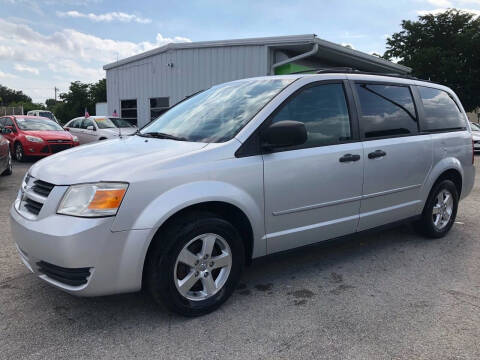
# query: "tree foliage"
443, 48
10, 96
80, 96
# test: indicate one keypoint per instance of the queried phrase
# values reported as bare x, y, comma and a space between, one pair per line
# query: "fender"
448, 163
170, 202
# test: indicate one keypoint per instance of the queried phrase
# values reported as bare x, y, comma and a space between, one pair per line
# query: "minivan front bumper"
79, 255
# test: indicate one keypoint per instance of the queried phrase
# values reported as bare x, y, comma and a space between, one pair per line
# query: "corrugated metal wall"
192, 70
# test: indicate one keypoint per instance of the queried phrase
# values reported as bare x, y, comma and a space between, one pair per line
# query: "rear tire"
182, 274
440, 210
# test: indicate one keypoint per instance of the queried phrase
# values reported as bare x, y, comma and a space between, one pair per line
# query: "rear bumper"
81, 256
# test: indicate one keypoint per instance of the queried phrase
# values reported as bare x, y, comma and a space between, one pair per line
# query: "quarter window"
128, 110
386, 110
158, 106
441, 112
323, 109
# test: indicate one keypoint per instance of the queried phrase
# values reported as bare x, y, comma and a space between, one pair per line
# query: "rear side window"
386, 110
323, 110
441, 112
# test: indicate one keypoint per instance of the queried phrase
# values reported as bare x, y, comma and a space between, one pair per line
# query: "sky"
50, 43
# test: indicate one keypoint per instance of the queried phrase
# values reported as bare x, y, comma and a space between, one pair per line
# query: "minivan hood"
109, 160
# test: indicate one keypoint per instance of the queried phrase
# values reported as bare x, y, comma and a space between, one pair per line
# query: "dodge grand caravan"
238, 171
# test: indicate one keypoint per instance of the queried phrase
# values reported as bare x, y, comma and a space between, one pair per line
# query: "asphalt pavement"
383, 295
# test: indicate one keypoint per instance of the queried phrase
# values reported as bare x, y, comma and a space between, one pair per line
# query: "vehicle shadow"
262, 276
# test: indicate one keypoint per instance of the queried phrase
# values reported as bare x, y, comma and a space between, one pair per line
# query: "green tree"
443, 48
98, 91
9, 96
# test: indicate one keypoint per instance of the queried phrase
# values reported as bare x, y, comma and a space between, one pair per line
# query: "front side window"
323, 109
386, 110
441, 112
216, 114
39, 124
86, 123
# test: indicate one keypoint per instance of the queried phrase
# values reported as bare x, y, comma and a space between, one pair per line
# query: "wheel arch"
224, 210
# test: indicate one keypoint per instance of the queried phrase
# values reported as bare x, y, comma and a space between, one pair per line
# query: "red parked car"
35, 136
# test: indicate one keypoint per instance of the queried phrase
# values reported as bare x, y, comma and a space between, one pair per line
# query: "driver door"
88, 134
313, 191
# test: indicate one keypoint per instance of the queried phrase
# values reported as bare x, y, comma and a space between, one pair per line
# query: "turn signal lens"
107, 199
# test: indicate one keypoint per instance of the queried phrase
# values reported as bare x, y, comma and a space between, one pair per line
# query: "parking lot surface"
383, 295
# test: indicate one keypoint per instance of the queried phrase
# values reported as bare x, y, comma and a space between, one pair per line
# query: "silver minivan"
239, 171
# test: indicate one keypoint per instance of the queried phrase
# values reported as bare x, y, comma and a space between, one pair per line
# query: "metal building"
143, 86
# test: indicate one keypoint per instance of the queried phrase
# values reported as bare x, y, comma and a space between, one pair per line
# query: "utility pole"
56, 89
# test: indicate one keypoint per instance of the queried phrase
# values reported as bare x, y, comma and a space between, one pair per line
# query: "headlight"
75, 139
92, 200
33, 139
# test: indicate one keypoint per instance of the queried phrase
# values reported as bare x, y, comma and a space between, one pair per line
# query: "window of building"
128, 110
441, 112
158, 106
323, 109
386, 110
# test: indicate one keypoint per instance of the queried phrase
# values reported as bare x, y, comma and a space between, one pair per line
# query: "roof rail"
349, 70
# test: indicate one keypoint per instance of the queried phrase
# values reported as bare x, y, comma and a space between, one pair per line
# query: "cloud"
72, 67
441, 10
440, 3
107, 17
19, 42
25, 68
6, 75
348, 45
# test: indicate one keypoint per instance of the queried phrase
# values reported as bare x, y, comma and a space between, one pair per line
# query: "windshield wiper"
160, 135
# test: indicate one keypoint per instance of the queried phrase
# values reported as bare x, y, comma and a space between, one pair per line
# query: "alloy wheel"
443, 209
202, 267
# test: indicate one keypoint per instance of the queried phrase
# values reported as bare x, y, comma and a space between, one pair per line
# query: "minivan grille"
42, 188
69, 276
33, 194
33, 206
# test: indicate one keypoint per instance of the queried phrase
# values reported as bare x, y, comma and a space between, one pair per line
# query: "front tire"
440, 210
9, 169
195, 264
18, 151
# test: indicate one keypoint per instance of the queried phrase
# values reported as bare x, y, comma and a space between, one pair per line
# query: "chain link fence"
11, 110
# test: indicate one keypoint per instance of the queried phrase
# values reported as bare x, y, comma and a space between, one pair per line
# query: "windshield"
46, 114
38, 124
104, 123
217, 114
475, 127
121, 123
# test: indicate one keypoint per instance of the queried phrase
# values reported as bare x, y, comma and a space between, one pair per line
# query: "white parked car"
475, 135
95, 128
43, 113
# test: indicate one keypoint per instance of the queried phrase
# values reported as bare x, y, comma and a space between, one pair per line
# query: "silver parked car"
95, 128
239, 171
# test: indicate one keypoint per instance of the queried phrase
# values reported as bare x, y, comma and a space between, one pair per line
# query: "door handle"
377, 154
349, 158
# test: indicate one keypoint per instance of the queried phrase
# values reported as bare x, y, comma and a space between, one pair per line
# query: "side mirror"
7, 130
283, 134
91, 127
